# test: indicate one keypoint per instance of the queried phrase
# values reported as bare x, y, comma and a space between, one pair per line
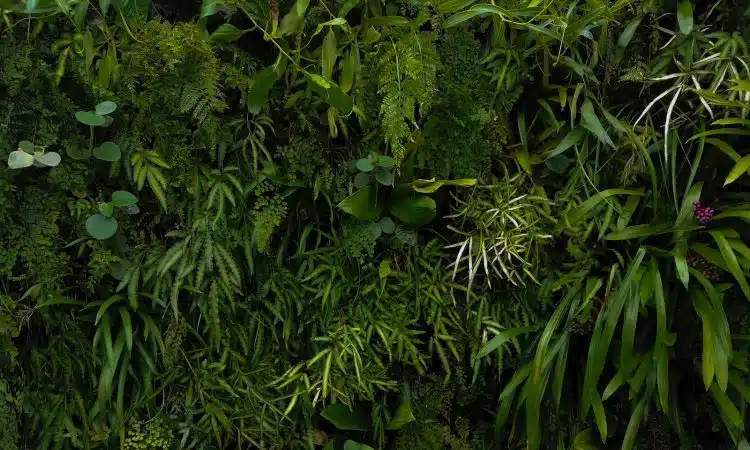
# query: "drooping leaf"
741, 167
101, 227
108, 151
414, 211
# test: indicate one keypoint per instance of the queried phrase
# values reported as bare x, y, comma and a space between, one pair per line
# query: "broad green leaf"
403, 417
262, 84
384, 177
685, 16
628, 32
210, 7
586, 440
592, 123
19, 159
725, 405
106, 209
123, 198
365, 165
740, 85
430, 186
101, 227
734, 213
27, 146
362, 204
90, 118
339, 99
302, 7
344, 419
741, 167
500, 340
133, 9
320, 81
105, 108
571, 139
387, 225
227, 33
362, 179
384, 269
414, 211
384, 161
108, 151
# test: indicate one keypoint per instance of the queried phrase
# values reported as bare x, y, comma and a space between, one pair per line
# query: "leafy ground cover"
357, 224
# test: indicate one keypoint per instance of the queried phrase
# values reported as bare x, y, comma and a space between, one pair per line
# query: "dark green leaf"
344, 419
101, 227
362, 204
109, 151
414, 211
227, 33
384, 177
365, 165
361, 180
123, 198
387, 225
262, 84
106, 209
90, 118
403, 417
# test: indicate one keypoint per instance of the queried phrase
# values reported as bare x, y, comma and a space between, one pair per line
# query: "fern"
406, 73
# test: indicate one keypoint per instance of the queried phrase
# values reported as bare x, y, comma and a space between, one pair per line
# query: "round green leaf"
77, 152
387, 224
49, 159
361, 180
90, 118
106, 209
131, 210
384, 177
105, 108
26, 146
101, 227
109, 151
123, 198
376, 230
19, 159
415, 211
365, 165
385, 162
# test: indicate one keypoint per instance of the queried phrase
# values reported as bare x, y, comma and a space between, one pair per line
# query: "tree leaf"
123, 198
105, 108
101, 227
90, 118
414, 211
362, 204
108, 151
741, 167
19, 159
592, 123
685, 16
227, 33
344, 419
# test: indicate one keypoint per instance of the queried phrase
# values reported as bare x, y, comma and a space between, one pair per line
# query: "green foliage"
399, 224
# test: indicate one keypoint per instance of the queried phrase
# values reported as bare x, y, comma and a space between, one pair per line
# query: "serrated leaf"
105, 108
101, 227
108, 151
